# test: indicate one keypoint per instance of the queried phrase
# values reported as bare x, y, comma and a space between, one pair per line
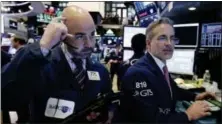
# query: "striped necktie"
79, 72
166, 75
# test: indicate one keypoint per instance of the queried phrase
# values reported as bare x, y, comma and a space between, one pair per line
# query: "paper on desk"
187, 86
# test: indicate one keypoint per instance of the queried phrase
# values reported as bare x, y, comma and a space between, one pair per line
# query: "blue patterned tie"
79, 72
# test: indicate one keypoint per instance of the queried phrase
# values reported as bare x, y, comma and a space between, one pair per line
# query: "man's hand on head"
55, 32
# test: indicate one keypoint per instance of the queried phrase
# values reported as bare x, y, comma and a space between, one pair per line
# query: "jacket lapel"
163, 86
64, 73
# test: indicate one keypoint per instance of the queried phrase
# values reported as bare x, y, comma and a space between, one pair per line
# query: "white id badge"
51, 107
93, 75
58, 108
65, 109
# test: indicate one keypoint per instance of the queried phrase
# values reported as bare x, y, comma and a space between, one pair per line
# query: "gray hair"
154, 24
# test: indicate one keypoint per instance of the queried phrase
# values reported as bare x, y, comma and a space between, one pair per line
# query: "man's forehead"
83, 32
84, 29
163, 29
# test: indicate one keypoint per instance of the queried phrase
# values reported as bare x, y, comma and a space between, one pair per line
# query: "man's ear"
148, 43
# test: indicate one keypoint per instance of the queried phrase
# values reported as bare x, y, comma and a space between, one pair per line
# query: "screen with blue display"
211, 35
110, 40
146, 12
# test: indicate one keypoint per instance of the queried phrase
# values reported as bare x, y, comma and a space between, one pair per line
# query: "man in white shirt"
151, 94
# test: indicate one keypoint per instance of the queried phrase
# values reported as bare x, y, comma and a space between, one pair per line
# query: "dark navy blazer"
147, 95
32, 79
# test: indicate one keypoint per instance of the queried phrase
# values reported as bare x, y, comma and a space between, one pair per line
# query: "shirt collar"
158, 62
66, 52
68, 55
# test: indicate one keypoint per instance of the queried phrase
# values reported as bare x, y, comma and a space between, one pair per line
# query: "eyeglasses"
83, 37
173, 40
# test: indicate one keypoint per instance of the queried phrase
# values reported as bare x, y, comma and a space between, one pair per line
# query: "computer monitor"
182, 62
49, 13
129, 32
187, 34
146, 12
211, 35
127, 54
110, 41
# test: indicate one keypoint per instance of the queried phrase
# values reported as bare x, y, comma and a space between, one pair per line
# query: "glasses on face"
83, 37
172, 39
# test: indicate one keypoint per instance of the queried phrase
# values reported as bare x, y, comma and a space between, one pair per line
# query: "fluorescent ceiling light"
186, 25
192, 8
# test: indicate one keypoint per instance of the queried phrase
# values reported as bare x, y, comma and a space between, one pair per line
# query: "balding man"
55, 77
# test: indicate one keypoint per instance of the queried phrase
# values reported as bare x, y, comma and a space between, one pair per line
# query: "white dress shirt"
158, 62
67, 55
161, 65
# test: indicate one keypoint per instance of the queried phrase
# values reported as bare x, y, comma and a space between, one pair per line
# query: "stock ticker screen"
49, 13
146, 12
211, 35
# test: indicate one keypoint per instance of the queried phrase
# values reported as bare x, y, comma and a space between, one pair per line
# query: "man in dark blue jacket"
138, 44
57, 82
150, 92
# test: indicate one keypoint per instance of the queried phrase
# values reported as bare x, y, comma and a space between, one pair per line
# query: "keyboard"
213, 107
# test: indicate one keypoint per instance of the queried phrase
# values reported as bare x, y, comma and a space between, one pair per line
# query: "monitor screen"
109, 40
127, 54
182, 62
146, 12
129, 32
211, 35
48, 14
13, 24
187, 34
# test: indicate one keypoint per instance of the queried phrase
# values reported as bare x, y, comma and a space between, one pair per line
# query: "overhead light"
30, 7
20, 10
192, 8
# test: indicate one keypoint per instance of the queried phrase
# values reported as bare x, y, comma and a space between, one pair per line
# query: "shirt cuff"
44, 51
